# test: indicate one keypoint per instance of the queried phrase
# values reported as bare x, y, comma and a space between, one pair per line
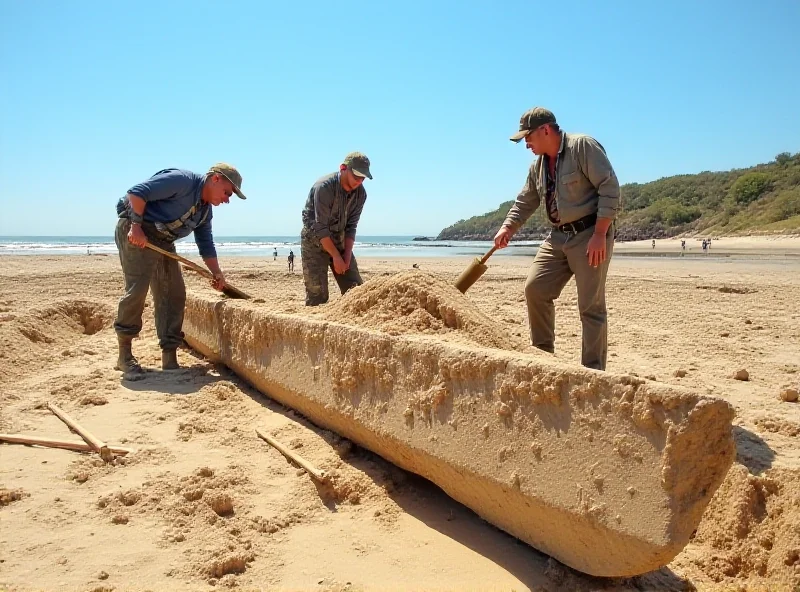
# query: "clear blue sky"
96, 96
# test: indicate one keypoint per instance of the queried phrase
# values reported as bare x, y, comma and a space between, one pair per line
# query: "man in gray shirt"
330, 218
575, 180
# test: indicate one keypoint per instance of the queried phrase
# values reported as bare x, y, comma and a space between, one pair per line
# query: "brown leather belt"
578, 225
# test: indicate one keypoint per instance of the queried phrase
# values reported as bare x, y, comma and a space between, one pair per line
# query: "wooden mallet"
472, 273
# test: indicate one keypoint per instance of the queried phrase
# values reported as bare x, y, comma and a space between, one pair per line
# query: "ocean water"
263, 246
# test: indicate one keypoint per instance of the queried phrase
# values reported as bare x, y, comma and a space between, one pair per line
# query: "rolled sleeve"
598, 170
162, 185
323, 204
526, 203
204, 239
354, 215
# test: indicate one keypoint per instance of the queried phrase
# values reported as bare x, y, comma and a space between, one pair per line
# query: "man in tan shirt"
574, 179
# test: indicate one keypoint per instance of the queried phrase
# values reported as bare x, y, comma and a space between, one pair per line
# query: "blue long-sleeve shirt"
169, 194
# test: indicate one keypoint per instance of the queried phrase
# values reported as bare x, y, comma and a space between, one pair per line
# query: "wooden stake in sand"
97, 445
315, 473
54, 443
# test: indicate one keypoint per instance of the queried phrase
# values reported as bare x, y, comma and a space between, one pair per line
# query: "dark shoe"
169, 359
126, 362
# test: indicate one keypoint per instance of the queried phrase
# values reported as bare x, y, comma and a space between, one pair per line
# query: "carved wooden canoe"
607, 473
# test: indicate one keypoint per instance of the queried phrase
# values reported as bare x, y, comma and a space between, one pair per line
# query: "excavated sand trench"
609, 474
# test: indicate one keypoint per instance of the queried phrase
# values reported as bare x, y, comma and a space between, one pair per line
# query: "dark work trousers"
561, 256
143, 269
316, 262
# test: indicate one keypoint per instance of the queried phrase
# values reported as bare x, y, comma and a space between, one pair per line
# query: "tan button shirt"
585, 184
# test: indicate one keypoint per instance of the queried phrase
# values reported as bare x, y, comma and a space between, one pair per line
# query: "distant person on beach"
654, 243
683, 245
705, 245
170, 205
275, 254
330, 218
582, 213
290, 258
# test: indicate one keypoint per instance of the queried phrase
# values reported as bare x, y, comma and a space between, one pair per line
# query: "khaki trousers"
561, 256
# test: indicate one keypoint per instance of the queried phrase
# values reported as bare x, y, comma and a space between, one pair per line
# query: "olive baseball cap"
532, 119
358, 163
231, 174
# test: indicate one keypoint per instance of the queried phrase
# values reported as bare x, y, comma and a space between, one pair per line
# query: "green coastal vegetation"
762, 199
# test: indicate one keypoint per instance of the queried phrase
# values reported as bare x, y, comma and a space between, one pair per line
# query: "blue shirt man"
169, 195
170, 205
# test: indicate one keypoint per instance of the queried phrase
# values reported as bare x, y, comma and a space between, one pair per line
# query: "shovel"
228, 290
475, 270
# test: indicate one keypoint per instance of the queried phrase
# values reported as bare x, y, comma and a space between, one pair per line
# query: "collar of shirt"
546, 159
563, 144
199, 191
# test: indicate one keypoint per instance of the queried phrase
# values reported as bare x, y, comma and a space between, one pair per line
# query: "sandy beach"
781, 245
69, 521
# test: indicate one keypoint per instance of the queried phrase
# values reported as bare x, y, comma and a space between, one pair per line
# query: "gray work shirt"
332, 212
585, 184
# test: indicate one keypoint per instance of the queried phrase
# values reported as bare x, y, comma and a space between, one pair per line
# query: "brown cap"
231, 174
532, 119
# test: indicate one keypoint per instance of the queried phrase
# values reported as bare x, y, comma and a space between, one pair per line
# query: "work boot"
126, 362
169, 359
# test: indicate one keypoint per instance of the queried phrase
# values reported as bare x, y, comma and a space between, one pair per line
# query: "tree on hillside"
749, 187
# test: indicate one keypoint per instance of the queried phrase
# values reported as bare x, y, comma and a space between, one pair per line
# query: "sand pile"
778, 425
416, 302
89, 389
32, 335
11, 495
218, 413
752, 527
213, 408
201, 511
90, 468
218, 520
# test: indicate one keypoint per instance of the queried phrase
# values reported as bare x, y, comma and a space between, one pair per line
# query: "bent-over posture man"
574, 180
169, 205
330, 218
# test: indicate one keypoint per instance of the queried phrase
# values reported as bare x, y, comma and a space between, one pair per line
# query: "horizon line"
2, 236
